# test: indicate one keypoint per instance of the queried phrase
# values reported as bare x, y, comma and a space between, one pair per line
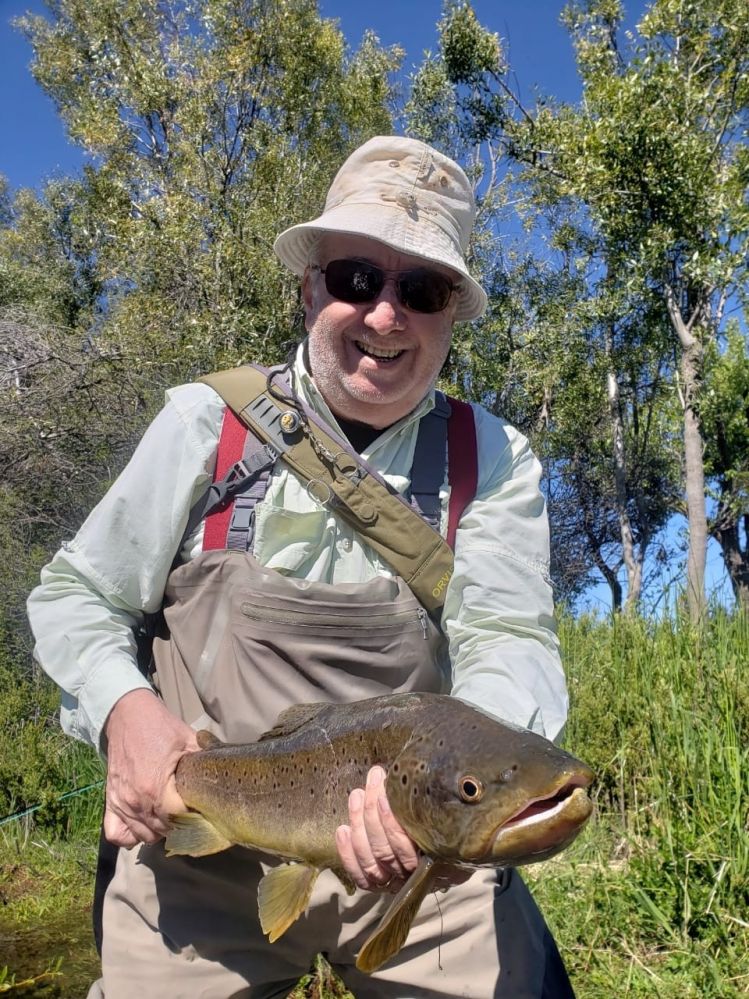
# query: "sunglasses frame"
397, 277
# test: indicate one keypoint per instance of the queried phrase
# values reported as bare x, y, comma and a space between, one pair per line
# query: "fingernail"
374, 777
384, 806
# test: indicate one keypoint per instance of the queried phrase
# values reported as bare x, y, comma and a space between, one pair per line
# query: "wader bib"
244, 643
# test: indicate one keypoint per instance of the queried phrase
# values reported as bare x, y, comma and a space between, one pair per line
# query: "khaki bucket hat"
405, 194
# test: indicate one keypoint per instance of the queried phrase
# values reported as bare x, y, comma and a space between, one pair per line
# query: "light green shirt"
498, 608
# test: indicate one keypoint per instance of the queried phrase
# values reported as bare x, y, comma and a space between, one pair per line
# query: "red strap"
230, 448
462, 463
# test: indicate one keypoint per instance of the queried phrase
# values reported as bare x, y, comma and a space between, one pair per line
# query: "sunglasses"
356, 281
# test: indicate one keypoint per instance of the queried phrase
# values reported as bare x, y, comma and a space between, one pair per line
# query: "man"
383, 278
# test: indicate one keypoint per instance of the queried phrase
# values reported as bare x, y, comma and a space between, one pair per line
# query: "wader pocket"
249, 641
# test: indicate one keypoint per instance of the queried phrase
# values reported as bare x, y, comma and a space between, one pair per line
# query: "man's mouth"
379, 353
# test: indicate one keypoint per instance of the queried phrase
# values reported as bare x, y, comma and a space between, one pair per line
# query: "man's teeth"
385, 355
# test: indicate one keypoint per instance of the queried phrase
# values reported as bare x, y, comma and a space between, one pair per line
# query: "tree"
724, 416
557, 352
656, 153
214, 124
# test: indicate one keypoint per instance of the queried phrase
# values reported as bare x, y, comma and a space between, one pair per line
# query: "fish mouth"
544, 825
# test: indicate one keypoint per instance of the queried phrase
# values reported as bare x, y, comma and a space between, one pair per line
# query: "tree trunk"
694, 470
631, 561
690, 367
735, 560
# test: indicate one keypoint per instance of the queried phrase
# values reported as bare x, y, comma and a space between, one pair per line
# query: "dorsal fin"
293, 718
207, 740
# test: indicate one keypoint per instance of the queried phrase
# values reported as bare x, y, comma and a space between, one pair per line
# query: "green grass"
652, 901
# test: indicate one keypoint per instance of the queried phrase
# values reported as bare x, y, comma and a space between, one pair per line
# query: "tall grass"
652, 901
661, 711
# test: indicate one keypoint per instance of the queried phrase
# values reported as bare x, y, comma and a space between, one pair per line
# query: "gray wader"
243, 644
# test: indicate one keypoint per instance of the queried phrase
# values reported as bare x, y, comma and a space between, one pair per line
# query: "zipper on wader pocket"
275, 615
423, 619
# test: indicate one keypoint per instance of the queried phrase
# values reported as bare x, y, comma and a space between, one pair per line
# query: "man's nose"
386, 314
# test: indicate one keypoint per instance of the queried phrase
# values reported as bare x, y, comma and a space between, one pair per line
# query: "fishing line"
442, 931
35, 808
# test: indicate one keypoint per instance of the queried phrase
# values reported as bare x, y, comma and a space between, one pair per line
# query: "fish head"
484, 793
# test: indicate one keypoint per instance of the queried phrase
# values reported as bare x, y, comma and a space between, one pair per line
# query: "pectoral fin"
391, 934
283, 895
193, 834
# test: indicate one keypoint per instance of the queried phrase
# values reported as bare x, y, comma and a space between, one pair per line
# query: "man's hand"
144, 744
374, 848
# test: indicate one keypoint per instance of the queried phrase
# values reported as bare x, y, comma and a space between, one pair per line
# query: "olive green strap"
335, 475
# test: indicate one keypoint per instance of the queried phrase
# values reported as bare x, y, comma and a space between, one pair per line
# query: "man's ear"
307, 297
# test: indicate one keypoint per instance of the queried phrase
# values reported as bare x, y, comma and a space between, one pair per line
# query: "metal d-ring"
353, 474
311, 491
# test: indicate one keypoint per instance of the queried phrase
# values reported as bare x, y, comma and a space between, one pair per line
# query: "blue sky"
33, 145
33, 140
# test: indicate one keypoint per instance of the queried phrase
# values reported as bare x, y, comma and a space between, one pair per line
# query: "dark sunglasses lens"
353, 280
424, 291
356, 281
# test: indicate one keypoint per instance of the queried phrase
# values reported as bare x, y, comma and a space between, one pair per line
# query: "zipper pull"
422, 615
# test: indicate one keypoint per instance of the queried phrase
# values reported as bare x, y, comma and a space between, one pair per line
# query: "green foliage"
215, 125
38, 764
662, 714
724, 414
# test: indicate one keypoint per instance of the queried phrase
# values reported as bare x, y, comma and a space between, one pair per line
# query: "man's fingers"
125, 826
401, 844
390, 845
348, 857
375, 851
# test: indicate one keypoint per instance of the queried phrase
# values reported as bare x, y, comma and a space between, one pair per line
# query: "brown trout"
470, 791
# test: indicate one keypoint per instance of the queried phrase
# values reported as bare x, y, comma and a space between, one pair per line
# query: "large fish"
470, 791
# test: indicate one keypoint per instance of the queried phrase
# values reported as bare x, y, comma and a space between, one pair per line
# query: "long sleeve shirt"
498, 609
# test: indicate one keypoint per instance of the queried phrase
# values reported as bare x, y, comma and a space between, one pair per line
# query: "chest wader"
240, 644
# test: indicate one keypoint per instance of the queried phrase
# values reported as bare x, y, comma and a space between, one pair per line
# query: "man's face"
374, 361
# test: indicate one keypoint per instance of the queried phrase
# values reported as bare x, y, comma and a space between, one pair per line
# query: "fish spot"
422, 766
396, 768
312, 792
404, 779
441, 743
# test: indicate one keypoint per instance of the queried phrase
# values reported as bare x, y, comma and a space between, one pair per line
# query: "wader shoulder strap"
463, 463
430, 461
337, 476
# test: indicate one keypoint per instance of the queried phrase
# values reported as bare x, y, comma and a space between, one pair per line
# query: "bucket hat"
405, 194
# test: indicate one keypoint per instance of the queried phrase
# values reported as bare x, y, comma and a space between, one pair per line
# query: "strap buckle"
241, 473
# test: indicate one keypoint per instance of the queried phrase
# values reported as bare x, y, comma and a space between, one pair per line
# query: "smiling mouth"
378, 353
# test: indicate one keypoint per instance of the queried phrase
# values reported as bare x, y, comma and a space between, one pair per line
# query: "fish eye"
470, 788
